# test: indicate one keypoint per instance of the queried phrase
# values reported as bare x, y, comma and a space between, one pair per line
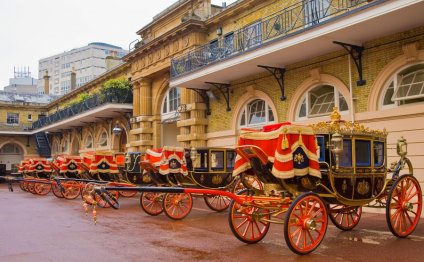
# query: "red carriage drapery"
71, 164
39, 165
292, 149
167, 160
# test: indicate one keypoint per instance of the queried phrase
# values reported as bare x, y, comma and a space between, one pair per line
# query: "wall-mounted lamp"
117, 130
219, 31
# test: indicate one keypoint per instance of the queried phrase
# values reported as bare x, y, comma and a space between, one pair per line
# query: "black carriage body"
212, 167
133, 171
361, 175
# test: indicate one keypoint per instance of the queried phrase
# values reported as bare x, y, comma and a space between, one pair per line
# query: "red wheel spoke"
295, 232
242, 223
411, 196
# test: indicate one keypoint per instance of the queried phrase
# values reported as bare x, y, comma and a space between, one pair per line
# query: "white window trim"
337, 94
169, 114
245, 111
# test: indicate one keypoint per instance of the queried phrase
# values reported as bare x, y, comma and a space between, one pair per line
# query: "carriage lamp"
337, 146
402, 147
193, 154
117, 130
127, 159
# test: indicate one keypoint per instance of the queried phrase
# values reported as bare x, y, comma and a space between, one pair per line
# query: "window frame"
306, 97
245, 111
167, 102
12, 116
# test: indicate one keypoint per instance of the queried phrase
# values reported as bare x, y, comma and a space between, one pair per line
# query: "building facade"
86, 62
22, 82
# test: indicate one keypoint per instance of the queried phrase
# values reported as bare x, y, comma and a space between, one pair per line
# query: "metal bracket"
355, 53
278, 73
224, 89
205, 98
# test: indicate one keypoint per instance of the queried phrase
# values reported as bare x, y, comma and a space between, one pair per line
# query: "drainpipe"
352, 111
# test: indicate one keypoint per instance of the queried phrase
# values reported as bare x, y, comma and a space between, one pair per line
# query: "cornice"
176, 31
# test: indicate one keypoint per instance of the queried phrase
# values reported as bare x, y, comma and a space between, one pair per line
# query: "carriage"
209, 168
312, 173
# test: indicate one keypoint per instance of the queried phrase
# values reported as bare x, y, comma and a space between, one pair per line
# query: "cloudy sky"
35, 29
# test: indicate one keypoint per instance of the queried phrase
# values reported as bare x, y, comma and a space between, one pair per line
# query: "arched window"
88, 143
256, 113
11, 149
319, 101
171, 101
405, 87
103, 138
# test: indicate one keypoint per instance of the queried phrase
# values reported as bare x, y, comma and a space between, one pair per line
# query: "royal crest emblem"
298, 158
363, 187
217, 179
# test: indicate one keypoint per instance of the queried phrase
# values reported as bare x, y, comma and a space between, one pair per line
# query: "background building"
22, 82
87, 62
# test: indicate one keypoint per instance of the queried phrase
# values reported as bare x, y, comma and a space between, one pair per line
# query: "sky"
34, 29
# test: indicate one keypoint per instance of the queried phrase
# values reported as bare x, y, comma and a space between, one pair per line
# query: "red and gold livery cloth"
23, 166
39, 165
102, 163
291, 148
168, 160
71, 164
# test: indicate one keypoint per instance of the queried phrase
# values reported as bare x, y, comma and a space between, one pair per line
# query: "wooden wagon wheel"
177, 205
216, 202
56, 191
344, 217
72, 189
42, 189
31, 187
404, 205
305, 224
152, 203
23, 185
246, 222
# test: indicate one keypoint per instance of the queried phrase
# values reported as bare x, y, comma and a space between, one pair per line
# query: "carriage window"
363, 152
217, 160
346, 155
231, 157
321, 148
378, 153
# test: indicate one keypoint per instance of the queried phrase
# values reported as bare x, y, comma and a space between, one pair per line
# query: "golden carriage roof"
346, 127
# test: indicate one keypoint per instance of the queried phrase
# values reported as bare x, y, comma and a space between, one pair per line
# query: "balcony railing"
15, 127
112, 96
290, 20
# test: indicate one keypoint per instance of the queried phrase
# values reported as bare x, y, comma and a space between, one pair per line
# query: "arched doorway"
10, 156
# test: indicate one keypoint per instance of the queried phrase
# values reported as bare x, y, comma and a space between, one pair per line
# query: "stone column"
145, 124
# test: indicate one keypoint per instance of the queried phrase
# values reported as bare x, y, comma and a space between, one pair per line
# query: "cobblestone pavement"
45, 228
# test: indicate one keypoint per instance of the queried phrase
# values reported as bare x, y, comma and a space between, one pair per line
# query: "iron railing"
112, 96
300, 16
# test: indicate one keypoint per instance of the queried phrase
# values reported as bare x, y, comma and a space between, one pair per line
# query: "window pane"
363, 153
256, 111
415, 89
217, 160
243, 119
407, 79
378, 153
302, 111
346, 155
270, 115
164, 109
342, 103
388, 96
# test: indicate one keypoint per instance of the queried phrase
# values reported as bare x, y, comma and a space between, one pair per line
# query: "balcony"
301, 31
100, 106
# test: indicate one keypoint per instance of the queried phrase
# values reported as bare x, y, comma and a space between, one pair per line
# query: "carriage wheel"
247, 181
246, 221
305, 224
110, 199
72, 189
56, 191
217, 203
31, 187
128, 193
152, 203
344, 217
42, 189
177, 206
404, 204
23, 185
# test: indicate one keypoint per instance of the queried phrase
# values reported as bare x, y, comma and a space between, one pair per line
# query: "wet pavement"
45, 228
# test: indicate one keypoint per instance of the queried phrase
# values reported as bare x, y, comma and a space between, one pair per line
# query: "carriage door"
169, 117
10, 156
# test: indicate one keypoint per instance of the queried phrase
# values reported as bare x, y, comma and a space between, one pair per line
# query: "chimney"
73, 79
46, 83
